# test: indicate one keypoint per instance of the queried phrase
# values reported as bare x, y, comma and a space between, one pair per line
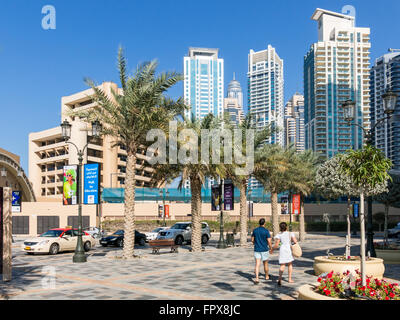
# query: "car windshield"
180, 226
119, 232
51, 233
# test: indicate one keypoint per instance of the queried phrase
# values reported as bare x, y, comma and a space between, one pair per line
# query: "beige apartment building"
48, 152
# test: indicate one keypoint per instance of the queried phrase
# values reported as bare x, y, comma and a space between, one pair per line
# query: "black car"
117, 239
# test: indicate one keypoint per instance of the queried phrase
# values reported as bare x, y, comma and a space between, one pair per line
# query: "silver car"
181, 232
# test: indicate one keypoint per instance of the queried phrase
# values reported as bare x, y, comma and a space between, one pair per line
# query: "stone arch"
12, 167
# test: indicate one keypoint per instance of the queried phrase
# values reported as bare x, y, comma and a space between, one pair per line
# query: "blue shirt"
261, 235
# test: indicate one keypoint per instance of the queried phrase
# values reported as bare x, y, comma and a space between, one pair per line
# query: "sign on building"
70, 190
91, 183
16, 201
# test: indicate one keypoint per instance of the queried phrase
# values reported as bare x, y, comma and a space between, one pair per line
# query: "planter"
306, 292
389, 256
374, 266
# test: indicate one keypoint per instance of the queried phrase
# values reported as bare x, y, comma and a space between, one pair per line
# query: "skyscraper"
294, 122
336, 69
385, 74
203, 82
265, 91
233, 103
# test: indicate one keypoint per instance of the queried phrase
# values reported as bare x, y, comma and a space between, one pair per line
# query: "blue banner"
16, 201
91, 183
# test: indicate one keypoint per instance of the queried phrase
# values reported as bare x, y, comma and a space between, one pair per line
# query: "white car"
93, 231
153, 234
54, 241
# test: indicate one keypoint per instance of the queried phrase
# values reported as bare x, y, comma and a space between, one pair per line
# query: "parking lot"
211, 274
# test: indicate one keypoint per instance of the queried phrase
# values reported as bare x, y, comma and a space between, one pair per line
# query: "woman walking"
285, 252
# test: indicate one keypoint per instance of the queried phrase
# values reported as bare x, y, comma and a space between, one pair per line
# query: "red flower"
391, 295
327, 292
386, 298
319, 279
329, 275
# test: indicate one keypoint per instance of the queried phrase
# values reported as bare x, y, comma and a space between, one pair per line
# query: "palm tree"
300, 178
194, 169
271, 166
240, 181
127, 117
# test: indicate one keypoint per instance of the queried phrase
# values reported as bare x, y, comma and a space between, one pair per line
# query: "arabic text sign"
91, 184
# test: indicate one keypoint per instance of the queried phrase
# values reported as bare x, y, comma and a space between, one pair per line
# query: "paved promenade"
211, 274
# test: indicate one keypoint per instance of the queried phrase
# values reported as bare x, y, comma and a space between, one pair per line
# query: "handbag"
296, 250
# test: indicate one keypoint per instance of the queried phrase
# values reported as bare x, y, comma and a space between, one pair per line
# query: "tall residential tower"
265, 91
294, 122
336, 69
385, 74
203, 82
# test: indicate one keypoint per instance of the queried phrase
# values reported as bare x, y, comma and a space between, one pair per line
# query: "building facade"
203, 82
336, 69
294, 122
265, 91
49, 153
233, 103
385, 75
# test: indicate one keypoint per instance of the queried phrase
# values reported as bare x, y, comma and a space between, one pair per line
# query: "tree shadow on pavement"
224, 286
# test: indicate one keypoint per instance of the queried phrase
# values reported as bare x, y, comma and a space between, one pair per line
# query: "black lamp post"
349, 107
79, 255
221, 242
161, 193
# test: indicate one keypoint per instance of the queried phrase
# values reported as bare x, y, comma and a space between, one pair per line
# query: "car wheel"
179, 240
204, 239
54, 248
120, 242
142, 242
87, 246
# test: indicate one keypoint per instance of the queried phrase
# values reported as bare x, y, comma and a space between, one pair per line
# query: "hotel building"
294, 122
336, 69
48, 152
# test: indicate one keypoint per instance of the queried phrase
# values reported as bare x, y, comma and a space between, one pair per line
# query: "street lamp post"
221, 242
79, 255
161, 193
349, 107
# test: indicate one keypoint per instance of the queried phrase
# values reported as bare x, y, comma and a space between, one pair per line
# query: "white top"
285, 251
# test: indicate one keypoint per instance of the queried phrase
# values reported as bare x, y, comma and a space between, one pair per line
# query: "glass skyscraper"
385, 74
336, 69
203, 82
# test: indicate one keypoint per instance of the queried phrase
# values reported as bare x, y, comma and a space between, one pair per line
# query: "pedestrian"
261, 238
285, 252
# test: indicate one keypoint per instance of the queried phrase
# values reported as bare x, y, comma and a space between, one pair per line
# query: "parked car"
93, 231
182, 232
394, 232
117, 239
57, 240
153, 234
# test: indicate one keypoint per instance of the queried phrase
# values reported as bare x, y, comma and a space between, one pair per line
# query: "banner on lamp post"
70, 189
91, 183
228, 196
216, 201
296, 202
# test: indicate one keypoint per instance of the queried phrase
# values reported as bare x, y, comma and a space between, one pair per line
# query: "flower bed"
348, 286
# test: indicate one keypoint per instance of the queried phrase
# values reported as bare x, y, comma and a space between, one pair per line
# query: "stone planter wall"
374, 266
388, 256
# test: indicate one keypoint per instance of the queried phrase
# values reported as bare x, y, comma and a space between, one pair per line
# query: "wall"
178, 211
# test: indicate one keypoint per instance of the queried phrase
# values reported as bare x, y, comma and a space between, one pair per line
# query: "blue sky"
38, 67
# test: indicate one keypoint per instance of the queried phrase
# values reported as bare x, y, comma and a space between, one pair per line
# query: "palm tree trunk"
129, 207
274, 212
195, 185
243, 213
362, 244
385, 228
302, 227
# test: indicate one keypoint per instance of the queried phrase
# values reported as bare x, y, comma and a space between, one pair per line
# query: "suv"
182, 232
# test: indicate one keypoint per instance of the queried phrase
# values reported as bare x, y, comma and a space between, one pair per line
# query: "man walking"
261, 239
